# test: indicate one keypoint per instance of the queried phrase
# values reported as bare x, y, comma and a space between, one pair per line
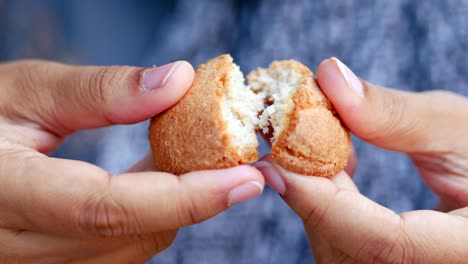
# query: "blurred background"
405, 44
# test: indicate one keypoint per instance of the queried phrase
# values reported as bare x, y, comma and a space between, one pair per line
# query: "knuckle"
187, 208
316, 217
31, 81
157, 242
391, 249
101, 214
394, 118
106, 81
32, 74
313, 218
28, 77
395, 108
102, 86
189, 211
372, 251
408, 249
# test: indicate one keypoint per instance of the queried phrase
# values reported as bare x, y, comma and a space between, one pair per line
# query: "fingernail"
244, 192
272, 177
156, 77
351, 79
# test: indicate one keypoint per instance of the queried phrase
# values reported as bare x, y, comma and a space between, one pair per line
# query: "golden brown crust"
314, 141
192, 134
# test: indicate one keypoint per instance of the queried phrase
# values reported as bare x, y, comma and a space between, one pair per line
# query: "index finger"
79, 199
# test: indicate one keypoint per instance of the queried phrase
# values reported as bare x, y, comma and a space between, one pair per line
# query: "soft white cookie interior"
244, 108
278, 84
240, 108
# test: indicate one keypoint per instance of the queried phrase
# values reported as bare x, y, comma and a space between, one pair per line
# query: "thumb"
359, 230
64, 98
334, 210
97, 203
396, 120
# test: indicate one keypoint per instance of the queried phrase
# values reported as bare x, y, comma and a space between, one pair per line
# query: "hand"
55, 210
342, 225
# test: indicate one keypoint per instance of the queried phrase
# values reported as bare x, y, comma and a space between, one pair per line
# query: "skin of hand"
66, 211
344, 226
